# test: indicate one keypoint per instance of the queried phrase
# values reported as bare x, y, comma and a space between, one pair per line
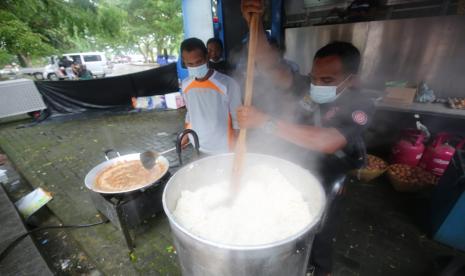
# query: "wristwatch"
270, 126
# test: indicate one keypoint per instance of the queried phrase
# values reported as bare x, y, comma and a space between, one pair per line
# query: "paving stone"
57, 155
376, 235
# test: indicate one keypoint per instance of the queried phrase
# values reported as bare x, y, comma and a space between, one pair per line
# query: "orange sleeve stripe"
203, 84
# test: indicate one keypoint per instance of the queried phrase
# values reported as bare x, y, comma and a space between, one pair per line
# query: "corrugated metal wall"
430, 49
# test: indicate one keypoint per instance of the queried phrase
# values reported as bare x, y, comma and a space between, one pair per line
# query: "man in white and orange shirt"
211, 100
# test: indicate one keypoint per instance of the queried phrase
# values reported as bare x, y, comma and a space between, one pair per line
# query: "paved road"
118, 70
127, 68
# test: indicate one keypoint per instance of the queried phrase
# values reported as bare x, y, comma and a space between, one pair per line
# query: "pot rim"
317, 218
89, 179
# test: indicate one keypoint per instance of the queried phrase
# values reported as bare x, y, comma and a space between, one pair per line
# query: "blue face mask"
198, 72
325, 94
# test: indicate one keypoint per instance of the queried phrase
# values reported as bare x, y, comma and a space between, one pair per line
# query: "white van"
96, 62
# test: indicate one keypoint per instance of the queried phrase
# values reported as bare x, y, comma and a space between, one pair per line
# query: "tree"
18, 39
155, 24
5, 57
33, 28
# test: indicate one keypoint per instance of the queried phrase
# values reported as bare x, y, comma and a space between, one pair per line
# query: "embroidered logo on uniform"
360, 117
331, 113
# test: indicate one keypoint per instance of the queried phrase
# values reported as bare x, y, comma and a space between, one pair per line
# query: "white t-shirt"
211, 111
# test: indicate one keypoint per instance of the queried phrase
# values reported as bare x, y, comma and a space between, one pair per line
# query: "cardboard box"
174, 100
151, 102
399, 95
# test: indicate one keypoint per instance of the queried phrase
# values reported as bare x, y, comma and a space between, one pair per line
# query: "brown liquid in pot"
126, 175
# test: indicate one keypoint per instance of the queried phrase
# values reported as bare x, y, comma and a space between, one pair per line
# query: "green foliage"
18, 38
155, 24
5, 57
30, 29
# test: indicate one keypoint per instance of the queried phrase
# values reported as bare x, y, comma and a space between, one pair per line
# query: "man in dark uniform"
332, 116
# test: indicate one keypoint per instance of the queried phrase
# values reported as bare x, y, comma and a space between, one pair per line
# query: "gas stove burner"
127, 210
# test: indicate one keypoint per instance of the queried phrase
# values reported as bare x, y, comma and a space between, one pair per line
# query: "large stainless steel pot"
198, 256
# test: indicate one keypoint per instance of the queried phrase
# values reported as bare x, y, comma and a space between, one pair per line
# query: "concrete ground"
377, 236
56, 155
63, 254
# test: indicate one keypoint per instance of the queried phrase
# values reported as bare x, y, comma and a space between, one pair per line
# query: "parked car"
96, 62
9, 72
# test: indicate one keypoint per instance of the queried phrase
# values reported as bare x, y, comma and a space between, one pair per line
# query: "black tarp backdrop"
64, 97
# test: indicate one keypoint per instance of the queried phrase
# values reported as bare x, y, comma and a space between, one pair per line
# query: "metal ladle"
149, 157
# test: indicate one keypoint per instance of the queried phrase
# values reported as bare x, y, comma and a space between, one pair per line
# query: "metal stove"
130, 209
127, 210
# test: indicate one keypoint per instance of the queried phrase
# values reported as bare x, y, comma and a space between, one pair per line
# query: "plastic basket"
403, 186
366, 175
410, 186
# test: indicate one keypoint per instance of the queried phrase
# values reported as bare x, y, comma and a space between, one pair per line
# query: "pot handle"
336, 189
108, 151
179, 140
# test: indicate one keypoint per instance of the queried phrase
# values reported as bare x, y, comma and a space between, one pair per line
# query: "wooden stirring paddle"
241, 146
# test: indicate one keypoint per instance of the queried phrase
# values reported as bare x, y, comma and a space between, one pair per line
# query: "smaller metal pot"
92, 175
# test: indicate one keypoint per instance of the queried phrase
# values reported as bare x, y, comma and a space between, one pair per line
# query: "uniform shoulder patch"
360, 117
